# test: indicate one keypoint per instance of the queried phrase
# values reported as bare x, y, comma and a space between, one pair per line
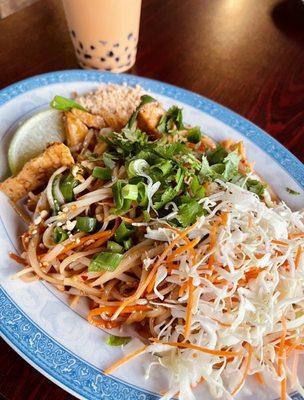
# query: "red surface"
246, 55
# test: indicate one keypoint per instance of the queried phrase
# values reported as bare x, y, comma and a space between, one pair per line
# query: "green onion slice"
64, 104
105, 261
102, 173
114, 247
59, 235
86, 224
123, 232
113, 340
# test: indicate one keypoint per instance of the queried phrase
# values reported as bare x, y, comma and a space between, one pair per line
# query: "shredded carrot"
295, 235
182, 249
246, 370
183, 345
141, 288
189, 309
279, 242
111, 309
18, 259
182, 289
298, 256
224, 218
212, 243
84, 239
97, 243
281, 360
127, 219
259, 377
125, 359
151, 285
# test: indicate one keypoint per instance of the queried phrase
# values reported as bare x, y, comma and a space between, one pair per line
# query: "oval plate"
35, 320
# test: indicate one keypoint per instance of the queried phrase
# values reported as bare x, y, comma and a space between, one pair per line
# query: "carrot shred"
125, 359
298, 256
183, 345
141, 288
259, 377
189, 309
281, 360
18, 259
188, 246
279, 242
296, 235
182, 289
84, 239
151, 285
224, 218
246, 370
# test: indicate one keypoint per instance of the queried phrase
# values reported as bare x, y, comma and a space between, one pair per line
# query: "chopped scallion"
127, 244
59, 235
107, 261
130, 192
123, 232
64, 104
113, 340
101, 173
194, 134
114, 247
86, 224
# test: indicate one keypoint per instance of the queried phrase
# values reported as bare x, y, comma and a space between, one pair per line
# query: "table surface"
246, 55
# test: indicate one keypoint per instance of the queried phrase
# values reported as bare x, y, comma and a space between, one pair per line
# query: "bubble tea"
104, 32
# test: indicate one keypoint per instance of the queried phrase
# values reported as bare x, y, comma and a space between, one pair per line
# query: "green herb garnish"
86, 224
113, 340
59, 235
293, 192
64, 104
105, 261
102, 173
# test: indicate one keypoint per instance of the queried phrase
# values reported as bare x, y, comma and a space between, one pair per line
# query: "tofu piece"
90, 120
149, 116
37, 171
75, 129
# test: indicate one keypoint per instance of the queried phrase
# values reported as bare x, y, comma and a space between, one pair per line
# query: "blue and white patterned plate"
35, 320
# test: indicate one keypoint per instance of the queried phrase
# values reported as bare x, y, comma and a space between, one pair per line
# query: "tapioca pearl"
92, 47
116, 45
108, 69
73, 33
129, 56
102, 59
117, 59
104, 42
130, 36
80, 45
87, 56
78, 51
110, 53
126, 48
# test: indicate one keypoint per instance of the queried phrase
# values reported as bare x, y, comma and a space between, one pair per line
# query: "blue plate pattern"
70, 371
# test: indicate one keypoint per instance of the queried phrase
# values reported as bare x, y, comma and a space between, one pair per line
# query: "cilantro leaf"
217, 156
231, 165
189, 212
172, 119
255, 186
293, 192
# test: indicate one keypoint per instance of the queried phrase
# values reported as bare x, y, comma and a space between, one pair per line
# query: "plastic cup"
104, 32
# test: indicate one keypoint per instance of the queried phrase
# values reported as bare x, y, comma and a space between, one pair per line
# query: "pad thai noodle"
162, 228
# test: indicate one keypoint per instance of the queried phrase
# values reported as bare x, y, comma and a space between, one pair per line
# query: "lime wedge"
32, 136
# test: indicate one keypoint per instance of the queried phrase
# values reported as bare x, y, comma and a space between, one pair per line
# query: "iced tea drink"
104, 32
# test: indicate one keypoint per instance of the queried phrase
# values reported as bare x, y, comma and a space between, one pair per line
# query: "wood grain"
246, 55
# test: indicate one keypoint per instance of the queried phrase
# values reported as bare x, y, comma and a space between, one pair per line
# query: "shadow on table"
288, 17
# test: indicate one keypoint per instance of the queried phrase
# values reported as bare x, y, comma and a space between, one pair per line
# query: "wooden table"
247, 55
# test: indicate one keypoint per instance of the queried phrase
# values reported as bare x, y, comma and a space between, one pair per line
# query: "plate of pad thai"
152, 242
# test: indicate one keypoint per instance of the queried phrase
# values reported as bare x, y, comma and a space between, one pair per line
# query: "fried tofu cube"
75, 129
90, 120
37, 171
148, 118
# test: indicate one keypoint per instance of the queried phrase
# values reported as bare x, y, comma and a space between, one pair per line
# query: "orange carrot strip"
182, 289
296, 235
151, 285
281, 360
188, 246
141, 288
189, 309
18, 259
183, 345
298, 256
259, 377
246, 370
224, 218
279, 242
125, 359
84, 239
111, 309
